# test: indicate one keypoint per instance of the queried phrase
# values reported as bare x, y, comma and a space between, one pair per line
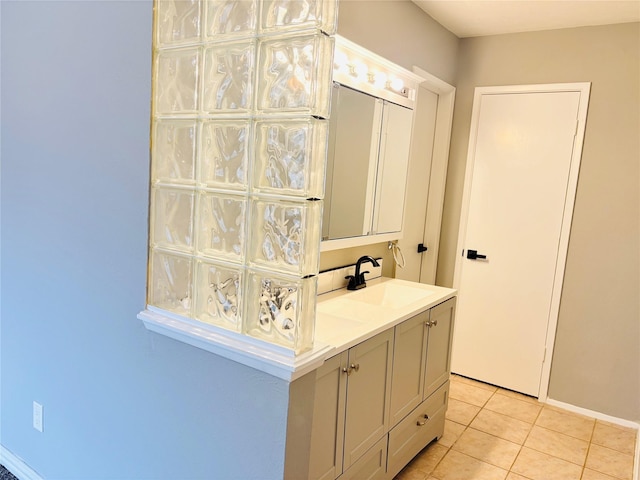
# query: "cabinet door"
368, 395
325, 459
409, 356
439, 346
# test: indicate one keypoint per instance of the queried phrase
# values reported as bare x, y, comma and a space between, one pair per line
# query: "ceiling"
473, 18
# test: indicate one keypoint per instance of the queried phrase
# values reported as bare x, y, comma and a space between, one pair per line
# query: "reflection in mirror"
351, 167
367, 165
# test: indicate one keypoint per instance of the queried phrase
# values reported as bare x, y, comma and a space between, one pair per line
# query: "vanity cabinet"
379, 403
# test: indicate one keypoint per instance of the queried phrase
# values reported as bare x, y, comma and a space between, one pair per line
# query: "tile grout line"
525, 441
584, 467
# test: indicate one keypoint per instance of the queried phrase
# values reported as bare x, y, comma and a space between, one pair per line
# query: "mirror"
367, 164
368, 149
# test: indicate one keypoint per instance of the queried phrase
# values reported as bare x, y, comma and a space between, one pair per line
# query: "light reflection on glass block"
178, 21
174, 151
221, 226
219, 295
224, 154
171, 282
230, 18
176, 87
294, 75
281, 309
228, 77
290, 157
172, 219
285, 236
282, 15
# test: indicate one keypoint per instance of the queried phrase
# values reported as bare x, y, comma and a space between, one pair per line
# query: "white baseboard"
16, 466
607, 418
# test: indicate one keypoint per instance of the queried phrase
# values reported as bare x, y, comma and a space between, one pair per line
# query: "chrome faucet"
356, 282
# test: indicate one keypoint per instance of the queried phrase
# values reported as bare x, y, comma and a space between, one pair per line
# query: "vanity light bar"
357, 67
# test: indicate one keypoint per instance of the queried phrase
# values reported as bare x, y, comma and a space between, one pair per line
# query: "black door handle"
474, 255
421, 248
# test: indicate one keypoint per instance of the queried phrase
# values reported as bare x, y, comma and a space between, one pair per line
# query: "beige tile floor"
496, 434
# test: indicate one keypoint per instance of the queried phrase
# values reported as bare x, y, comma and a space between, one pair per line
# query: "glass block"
294, 74
285, 235
172, 219
171, 282
174, 151
290, 157
230, 18
178, 21
176, 81
279, 15
219, 295
221, 226
281, 309
228, 77
224, 154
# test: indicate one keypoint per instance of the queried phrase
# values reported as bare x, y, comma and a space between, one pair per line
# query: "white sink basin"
389, 295
345, 318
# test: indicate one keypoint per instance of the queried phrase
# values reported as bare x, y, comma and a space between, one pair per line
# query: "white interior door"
522, 171
424, 122
433, 116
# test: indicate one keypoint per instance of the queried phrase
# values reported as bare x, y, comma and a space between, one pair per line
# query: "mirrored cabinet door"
393, 166
352, 162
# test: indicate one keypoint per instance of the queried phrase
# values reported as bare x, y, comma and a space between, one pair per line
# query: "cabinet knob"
434, 323
354, 367
423, 420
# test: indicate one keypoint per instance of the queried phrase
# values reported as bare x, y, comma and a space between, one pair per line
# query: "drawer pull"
422, 422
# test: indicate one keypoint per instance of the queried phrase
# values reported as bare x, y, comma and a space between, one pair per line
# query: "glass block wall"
239, 138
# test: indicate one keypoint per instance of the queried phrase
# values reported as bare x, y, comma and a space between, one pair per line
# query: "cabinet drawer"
371, 466
421, 426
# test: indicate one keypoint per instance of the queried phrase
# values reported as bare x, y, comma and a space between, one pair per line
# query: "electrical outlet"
37, 416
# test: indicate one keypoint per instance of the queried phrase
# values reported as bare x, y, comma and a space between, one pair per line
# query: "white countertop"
345, 318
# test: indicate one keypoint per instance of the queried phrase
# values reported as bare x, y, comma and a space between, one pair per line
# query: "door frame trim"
584, 89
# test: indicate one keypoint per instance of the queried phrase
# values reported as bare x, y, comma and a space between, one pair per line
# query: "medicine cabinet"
368, 150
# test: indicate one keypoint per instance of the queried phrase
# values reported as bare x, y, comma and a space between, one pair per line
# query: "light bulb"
397, 84
380, 79
360, 70
340, 61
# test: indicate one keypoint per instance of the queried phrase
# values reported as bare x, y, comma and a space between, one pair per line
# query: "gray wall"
119, 402
596, 362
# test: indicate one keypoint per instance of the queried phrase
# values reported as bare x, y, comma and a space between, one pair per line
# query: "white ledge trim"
272, 359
